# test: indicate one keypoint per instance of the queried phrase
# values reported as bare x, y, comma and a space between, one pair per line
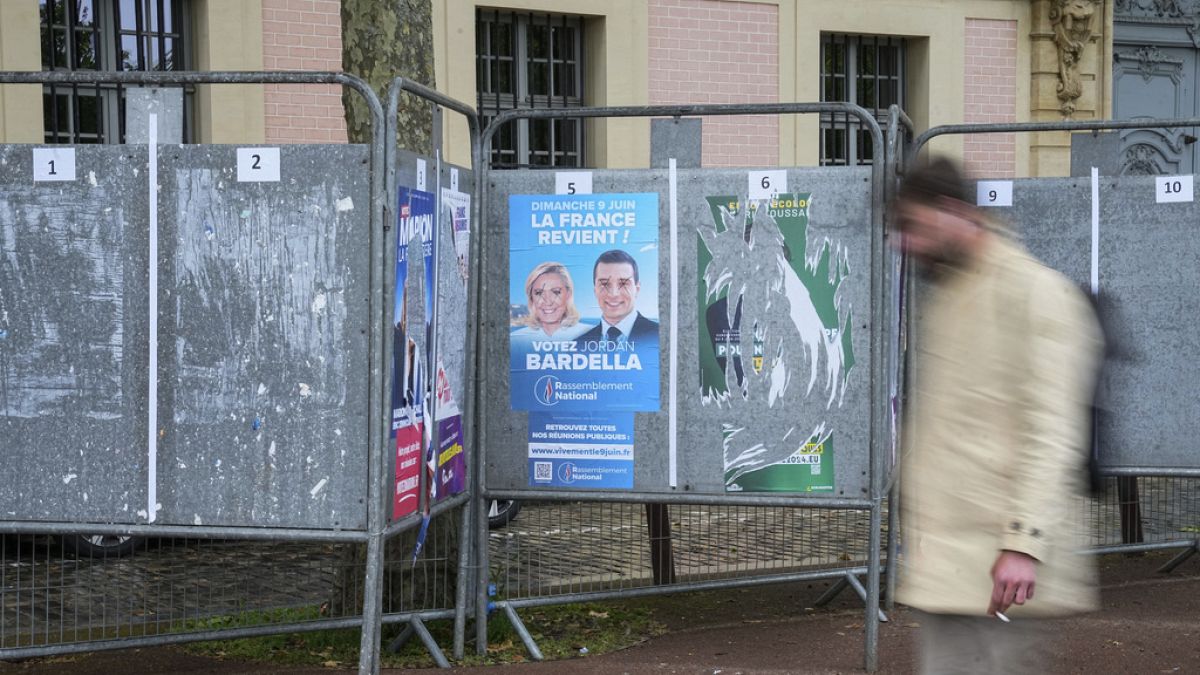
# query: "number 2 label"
258, 165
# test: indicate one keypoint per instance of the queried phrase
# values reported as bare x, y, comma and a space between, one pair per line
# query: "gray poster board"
816, 390
262, 339
1148, 258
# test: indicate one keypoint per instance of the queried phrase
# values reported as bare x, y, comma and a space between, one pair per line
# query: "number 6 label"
53, 164
767, 184
1172, 189
258, 165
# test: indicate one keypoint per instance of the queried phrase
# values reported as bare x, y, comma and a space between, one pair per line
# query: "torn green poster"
775, 341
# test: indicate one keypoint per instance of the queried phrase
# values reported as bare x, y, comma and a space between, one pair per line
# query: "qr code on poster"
543, 471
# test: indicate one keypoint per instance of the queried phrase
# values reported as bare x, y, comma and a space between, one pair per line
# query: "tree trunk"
383, 39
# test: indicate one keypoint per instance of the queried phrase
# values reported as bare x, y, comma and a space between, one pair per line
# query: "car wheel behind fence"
501, 512
100, 545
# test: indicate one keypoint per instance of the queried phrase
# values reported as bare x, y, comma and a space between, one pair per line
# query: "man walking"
1007, 352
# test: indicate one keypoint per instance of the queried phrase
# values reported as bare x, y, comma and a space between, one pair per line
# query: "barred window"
867, 70
528, 60
105, 35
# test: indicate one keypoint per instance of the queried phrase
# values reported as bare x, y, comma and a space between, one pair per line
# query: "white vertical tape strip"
673, 359
152, 390
1095, 230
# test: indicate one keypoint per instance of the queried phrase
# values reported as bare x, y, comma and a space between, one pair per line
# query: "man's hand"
1013, 577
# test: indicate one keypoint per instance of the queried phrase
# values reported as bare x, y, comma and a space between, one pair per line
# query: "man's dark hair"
941, 178
612, 256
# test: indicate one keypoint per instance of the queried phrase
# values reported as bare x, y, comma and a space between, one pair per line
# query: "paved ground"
1149, 623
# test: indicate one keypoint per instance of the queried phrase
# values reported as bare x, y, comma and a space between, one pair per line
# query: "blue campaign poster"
583, 298
414, 217
581, 451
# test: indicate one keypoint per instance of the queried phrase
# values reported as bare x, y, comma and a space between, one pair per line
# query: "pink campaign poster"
451, 459
408, 470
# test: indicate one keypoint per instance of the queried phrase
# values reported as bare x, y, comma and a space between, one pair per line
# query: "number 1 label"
767, 184
1172, 189
993, 193
258, 165
53, 164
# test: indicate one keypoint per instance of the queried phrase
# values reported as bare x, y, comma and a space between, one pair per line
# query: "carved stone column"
1071, 73
1072, 23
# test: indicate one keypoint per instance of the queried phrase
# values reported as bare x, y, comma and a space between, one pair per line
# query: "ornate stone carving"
1159, 8
1150, 61
1072, 22
1141, 159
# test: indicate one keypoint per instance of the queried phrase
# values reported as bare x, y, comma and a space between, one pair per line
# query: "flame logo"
545, 390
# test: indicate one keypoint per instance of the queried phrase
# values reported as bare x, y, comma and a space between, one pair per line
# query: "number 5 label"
1172, 189
258, 165
53, 164
767, 184
993, 193
573, 183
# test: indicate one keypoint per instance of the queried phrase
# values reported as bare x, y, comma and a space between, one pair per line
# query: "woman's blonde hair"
570, 315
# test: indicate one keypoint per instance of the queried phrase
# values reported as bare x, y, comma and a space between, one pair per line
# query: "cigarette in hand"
1005, 619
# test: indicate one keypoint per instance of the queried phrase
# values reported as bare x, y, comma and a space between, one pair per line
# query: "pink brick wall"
990, 95
716, 51
303, 35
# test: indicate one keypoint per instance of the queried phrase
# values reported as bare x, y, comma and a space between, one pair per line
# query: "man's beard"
937, 265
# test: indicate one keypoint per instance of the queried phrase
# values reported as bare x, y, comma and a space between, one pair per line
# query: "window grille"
527, 60
867, 70
105, 35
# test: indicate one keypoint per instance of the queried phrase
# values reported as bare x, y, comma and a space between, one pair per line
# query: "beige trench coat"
994, 456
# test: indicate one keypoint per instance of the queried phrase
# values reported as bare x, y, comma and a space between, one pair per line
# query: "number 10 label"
1172, 189
258, 165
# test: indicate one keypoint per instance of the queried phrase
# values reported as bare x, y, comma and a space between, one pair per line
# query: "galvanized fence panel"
73, 331
788, 282
270, 326
264, 360
261, 291
813, 379
1144, 255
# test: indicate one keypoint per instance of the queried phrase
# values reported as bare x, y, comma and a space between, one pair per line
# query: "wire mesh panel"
559, 548
1145, 510
58, 590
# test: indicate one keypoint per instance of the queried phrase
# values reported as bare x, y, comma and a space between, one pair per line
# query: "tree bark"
383, 39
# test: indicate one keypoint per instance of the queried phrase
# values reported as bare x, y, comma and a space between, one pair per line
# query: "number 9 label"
994, 193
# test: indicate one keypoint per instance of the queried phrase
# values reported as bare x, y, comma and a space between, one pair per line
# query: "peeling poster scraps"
775, 335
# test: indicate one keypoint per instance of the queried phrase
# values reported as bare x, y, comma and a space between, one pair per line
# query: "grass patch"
560, 633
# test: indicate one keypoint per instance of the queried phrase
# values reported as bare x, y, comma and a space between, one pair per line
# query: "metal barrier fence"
674, 468
191, 582
221, 491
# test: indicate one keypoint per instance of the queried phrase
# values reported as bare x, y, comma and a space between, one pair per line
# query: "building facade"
943, 62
